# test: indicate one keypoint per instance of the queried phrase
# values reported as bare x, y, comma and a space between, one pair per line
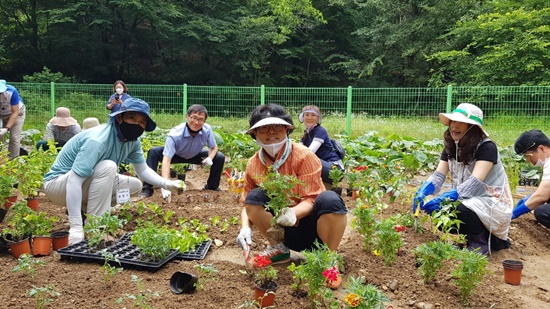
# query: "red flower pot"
33, 203
265, 297
10, 201
21, 247
60, 239
41, 245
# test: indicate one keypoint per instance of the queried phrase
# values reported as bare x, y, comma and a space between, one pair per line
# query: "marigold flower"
331, 273
353, 300
376, 252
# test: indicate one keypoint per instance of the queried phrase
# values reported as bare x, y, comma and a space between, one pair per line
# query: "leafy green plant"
278, 188
364, 222
266, 276
206, 272
43, 295
153, 241
98, 228
364, 296
40, 223
17, 226
27, 265
336, 175
469, 272
314, 273
109, 271
6, 188
388, 241
446, 220
430, 257
142, 299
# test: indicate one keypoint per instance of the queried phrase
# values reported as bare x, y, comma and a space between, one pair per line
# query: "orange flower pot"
41, 245
265, 297
512, 271
21, 247
10, 201
60, 239
33, 203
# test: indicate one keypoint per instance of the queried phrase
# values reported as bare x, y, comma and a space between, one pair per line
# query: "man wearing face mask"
118, 97
535, 147
84, 175
318, 215
478, 179
186, 144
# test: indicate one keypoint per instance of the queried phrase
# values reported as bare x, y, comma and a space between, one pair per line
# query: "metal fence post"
449, 98
184, 101
262, 95
348, 111
52, 99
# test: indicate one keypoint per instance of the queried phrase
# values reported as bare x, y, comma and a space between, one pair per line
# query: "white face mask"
272, 149
119, 90
540, 163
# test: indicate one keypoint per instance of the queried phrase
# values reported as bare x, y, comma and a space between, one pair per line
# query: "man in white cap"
479, 181
317, 215
12, 113
84, 175
60, 129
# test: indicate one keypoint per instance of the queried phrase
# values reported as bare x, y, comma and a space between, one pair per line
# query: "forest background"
294, 43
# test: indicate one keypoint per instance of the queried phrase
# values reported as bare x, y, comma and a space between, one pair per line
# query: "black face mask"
130, 132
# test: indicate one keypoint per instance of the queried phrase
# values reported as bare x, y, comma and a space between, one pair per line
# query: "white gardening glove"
245, 238
174, 185
76, 232
207, 161
166, 194
4, 131
287, 217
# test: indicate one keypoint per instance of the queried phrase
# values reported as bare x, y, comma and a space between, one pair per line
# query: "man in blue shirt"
12, 114
185, 144
84, 175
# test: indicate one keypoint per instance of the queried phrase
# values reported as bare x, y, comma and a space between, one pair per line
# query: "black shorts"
303, 236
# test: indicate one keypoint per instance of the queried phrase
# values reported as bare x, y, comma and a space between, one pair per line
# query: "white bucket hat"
269, 121
63, 118
3, 85
464, 112
89, 123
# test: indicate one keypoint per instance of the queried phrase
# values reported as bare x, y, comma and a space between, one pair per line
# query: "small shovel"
416, 213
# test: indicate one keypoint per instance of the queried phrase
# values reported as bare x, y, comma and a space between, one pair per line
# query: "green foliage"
364, 296
336, 175
97, 228
27, 265
142, 299
430, 257
43, 295
469, 273
364, 222
40, 224
47, 76
279, 188
388, 241
109, 271
153, 241
446, 220
265, 275
310, 273
17, 225
6, 187
206, 272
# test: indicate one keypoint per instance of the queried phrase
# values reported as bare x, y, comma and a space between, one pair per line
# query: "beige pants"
15, 133
98, 191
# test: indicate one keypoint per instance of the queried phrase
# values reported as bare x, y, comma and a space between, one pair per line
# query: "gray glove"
245, 238
3, 131
174, 185
287, 217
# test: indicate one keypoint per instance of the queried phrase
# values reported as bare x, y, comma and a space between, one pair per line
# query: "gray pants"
15, 133
98, 191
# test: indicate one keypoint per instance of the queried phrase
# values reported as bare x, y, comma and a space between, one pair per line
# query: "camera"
117, 97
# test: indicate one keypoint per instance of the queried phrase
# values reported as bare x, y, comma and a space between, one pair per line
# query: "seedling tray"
127, 254
198, 253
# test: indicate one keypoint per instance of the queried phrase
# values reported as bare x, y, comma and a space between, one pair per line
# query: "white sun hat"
464, 112
269, 121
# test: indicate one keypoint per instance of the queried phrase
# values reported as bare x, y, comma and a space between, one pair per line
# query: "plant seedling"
206, 272
109, 271
27, 265
43, 295
143, 297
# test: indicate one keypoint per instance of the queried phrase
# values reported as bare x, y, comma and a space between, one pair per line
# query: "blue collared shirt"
180, 142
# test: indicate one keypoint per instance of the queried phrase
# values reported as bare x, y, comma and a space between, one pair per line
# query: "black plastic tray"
198, 253
127, 254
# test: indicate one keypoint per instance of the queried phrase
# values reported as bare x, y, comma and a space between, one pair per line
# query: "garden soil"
82, 285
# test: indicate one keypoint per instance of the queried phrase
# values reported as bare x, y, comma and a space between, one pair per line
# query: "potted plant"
336, 175
30, 182
278, 188
18, 229
40, 227
101, 231
6, 191
265, 285
154, 242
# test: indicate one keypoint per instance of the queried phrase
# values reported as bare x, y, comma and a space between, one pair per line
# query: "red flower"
362, 168
331, 273
262, 261
399, 228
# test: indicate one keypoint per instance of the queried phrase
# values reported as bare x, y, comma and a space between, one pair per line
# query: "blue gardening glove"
427, 188
524, 199
520, 208
435, 204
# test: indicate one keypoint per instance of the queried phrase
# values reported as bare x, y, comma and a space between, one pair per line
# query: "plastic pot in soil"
41, 245
10, 201
32, 203
512, 271
3, 246
265, 296
2, 214
337, 190
181, 177
20, 247
182, 282
60, 239
173, 174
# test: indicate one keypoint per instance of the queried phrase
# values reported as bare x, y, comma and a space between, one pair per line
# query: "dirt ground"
81, 285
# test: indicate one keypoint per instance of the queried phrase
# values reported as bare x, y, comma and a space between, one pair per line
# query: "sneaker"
336, 281
146, 192
273, 255
206, 188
